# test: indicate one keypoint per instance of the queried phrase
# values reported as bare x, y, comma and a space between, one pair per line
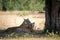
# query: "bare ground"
15, 20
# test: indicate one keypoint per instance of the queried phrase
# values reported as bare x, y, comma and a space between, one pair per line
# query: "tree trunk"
51, 15
48, 6
54, 15
58, 23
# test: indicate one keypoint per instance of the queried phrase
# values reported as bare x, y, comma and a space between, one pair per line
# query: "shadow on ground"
21, 33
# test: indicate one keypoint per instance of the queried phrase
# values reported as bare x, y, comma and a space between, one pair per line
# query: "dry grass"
26, 38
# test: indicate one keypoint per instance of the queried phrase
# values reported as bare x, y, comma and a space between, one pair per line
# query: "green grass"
25, 35
32, 5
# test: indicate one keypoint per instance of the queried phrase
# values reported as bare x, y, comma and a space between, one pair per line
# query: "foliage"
34, 5
0, 4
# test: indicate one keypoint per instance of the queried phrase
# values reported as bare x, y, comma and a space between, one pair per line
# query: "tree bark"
51, 15
54, 15
48, 6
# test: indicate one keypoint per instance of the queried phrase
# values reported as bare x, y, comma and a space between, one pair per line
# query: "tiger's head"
28, 23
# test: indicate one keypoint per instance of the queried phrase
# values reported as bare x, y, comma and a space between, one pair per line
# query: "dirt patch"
14, 20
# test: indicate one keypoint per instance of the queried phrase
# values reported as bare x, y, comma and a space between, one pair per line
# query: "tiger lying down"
26, 26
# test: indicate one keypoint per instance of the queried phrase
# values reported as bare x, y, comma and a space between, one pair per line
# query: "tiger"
25, 25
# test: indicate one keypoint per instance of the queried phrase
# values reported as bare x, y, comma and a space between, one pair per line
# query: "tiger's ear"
24, 18
33, 23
